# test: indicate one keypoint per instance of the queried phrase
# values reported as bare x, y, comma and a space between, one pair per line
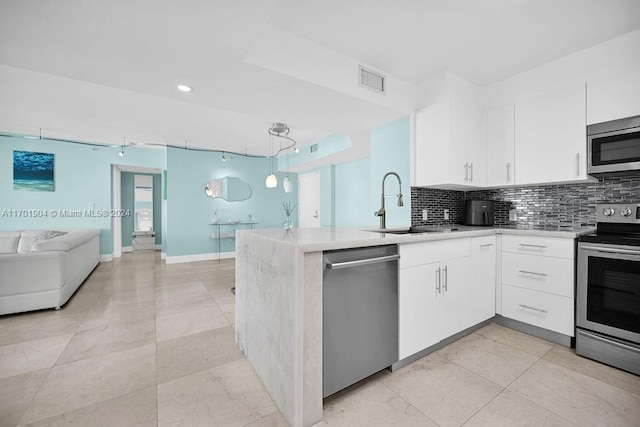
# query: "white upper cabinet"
550, 137
500, 146
611, 98
449, 145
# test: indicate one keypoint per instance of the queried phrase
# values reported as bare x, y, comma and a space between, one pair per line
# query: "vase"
287, 222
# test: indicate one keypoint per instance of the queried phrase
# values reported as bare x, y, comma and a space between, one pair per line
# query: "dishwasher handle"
361, 262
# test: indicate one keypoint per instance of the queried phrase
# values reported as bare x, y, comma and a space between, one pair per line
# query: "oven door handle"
610, 342
611, 250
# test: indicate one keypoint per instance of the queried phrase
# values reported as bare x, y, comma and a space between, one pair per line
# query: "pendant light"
286, 184
280, 130
272, 180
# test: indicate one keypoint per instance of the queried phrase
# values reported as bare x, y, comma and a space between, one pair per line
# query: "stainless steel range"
608, 288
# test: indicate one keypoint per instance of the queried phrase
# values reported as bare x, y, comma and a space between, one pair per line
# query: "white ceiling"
482, 41
148, 46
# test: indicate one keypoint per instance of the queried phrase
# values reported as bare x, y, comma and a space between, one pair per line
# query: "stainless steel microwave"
614, 147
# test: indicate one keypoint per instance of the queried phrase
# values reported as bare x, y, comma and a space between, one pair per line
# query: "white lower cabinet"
538, 282
481, 293
444, 289
455, 282
418, 309
548, 311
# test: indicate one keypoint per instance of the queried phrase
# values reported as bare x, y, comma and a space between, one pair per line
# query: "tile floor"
144, 343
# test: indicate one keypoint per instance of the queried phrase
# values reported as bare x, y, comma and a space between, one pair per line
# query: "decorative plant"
288, 208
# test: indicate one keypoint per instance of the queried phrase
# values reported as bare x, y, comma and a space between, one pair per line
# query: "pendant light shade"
286, 184
271, 181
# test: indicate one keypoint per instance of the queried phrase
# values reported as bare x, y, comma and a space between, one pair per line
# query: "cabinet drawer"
546, 246
413, 254
538, 273
540, 309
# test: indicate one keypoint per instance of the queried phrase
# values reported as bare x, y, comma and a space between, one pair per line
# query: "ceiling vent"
371, 80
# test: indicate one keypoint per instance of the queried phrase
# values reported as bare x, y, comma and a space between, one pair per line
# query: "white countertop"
330, 238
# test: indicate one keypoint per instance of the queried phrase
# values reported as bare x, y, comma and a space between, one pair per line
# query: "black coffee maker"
479, 212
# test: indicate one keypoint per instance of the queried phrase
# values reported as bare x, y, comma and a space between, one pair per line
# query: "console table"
226, 231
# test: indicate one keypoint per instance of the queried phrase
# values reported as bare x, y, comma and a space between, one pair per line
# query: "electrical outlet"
513, 215
425, 215
446, 214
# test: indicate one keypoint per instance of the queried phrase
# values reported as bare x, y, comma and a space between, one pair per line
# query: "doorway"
116, 202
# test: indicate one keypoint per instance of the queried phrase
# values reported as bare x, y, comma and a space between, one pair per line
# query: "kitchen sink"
413, 230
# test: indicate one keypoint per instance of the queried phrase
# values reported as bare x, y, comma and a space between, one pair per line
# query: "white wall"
617, 57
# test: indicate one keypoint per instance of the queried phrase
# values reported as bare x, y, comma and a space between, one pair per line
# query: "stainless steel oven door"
608, 290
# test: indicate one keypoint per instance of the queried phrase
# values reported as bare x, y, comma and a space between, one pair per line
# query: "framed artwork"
32, 171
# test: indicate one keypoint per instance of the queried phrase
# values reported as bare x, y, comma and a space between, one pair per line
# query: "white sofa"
41, 269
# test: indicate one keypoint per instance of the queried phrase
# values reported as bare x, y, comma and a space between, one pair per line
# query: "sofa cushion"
29, 242
9, 242
69, 241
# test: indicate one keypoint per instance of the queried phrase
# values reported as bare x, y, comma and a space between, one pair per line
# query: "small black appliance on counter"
479, 212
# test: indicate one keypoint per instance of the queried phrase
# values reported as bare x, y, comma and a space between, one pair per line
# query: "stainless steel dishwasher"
360, 314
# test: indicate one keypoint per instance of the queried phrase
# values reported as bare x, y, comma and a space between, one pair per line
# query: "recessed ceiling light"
184, 88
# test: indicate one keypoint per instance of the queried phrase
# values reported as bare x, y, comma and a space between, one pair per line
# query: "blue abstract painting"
32, 171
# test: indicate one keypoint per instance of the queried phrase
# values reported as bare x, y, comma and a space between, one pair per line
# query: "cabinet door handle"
438, 280
486, 245
470, 172
532, 246
508, 171
533, 272
578, 164
466, 172
533, 308
446, 278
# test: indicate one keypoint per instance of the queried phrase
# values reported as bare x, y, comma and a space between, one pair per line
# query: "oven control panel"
623, 213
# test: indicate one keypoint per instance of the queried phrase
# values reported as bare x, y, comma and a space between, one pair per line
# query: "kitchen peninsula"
279, 276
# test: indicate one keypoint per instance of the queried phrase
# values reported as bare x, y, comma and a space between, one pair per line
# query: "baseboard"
106, 258
127, 249
199, 257
163, 255
536, 331
445, 342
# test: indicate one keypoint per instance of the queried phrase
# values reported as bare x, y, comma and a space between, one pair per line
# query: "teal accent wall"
327, 192
82, 180
350, 191
189, 210
332, 144
128, 198
352, 185
390, 151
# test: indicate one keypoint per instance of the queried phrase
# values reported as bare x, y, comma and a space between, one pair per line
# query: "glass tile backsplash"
562, 205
